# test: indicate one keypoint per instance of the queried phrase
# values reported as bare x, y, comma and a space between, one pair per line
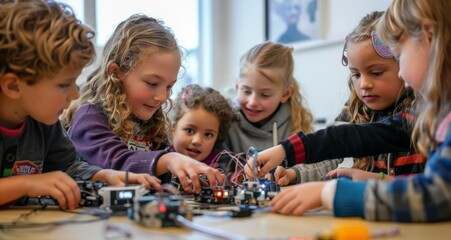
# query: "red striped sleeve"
411, 159
298, 148
408, 116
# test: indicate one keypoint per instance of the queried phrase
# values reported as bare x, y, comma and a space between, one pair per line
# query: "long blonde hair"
269, 55
132, 41
405, 17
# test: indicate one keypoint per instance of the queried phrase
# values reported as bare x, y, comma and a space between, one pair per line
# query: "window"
78, 7
182, 16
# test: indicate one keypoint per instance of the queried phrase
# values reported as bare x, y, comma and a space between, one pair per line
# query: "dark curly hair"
194, 96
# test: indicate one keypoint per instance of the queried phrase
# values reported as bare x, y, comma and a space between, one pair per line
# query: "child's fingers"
280, 200
300, 209
279, 173
195, 182
204, 183
67, 194
215, 177
218, 177
185, 181
150, 181
288, 206
332, 174
283, 181
343, 172
263, 170
60, 198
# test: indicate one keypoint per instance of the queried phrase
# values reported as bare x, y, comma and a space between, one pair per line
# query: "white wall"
238, 25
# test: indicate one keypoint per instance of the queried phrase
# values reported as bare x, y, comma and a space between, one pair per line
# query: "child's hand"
117, 178
298, 199
56, 184
284, 176
267, 160
353, 174
188, 171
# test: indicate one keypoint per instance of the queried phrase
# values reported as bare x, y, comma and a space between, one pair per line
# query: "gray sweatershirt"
243, 135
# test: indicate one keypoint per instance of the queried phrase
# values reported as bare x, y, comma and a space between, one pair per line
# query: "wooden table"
259, 226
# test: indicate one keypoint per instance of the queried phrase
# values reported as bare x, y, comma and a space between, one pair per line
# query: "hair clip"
187, 93
344, 58
381, 49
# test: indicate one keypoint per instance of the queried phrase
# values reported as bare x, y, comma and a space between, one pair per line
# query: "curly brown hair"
38, 38
194, 96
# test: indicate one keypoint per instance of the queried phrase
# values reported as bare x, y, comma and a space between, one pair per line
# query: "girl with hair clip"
418, 33
376, 94
119, 122
270, 103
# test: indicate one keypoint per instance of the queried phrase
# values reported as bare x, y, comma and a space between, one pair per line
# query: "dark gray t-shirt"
37, 148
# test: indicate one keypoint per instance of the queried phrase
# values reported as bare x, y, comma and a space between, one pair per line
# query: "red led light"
219, 194
162, 208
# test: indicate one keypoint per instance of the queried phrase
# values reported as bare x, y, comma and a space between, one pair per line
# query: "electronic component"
159, 211
219, 195
89, 193
256, 192
119, 199
88, 190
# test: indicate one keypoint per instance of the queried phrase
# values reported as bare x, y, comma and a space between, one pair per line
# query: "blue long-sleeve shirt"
421, 198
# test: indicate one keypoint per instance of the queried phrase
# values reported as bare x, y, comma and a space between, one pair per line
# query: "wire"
180, 220
238, 159
254, 153
5, 226
16, 224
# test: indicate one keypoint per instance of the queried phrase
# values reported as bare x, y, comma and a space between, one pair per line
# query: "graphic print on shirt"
7, 161
138, 143
26, 167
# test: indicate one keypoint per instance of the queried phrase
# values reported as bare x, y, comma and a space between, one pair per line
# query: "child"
375, 88
271, 106
202, 119
418, 32
119, 121
43, 49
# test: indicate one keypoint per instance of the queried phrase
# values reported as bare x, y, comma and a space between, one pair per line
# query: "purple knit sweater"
100, 146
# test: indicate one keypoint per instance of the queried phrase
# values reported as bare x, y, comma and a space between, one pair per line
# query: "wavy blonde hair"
405, 17
132, 41
269, 55
38, 38
357, 110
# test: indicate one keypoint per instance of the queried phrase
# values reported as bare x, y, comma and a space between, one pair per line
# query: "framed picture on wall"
292, 21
